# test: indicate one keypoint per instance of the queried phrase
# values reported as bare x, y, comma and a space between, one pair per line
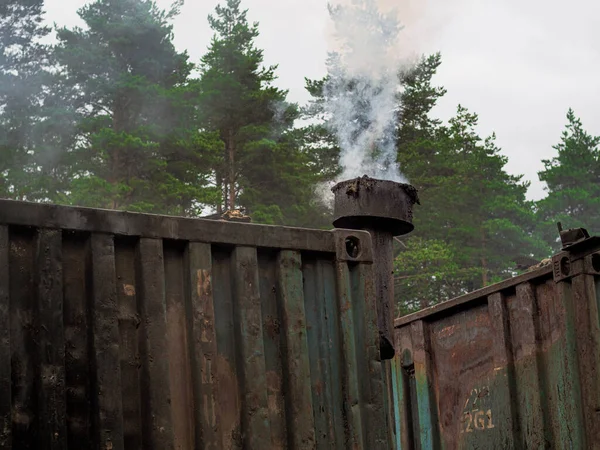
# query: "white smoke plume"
369, 46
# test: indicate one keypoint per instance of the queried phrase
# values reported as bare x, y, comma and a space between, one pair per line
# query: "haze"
519, 65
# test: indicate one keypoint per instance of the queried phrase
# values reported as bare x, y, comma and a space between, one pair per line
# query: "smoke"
368, 48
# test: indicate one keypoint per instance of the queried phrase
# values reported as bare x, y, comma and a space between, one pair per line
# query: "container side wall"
202, 342
125, 331
49, 282
513, 367
77, 322
300, 412
23, 319
5, 353
273, 339
525, 339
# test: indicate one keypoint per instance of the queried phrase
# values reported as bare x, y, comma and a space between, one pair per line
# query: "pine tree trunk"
219, 181
113, 177
117, 125
484, 263
231, 164
424, 301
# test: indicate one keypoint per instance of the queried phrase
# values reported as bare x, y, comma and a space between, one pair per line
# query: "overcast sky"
518, 64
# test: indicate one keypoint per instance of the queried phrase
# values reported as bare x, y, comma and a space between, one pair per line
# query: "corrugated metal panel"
515, 365
129, 331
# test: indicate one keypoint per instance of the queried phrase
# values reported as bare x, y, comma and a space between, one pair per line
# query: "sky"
518, 64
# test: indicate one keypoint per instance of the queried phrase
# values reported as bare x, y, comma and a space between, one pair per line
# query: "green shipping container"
132, 331
513, 366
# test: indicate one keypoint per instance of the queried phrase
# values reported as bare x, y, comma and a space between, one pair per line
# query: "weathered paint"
515, 365
127, 331
274, 343
398, 397
423, 378
249, 336
5, 351
107, 409
202, 344
331, 357
373, 382
297, 366
77, 347
49, 281
317, 338
352, 410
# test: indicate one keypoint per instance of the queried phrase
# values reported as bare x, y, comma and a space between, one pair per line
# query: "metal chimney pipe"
385, 210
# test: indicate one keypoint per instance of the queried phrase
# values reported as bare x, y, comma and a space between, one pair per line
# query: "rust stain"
447, 331
319, 387
551, 315
204, 283
273, 327
210, 415
129, 290
272, 401
205, 309
180, 377
230, 405
461, 350
276, 407
17, 250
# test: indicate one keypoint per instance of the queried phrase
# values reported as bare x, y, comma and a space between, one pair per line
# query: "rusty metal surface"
385, 210
370, 203
128, 331
163, 227
515, 365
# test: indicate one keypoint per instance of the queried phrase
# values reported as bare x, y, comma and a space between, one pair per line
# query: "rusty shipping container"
132, 331
513, 366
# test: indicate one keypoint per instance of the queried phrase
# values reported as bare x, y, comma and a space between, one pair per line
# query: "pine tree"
478, 210
573, 183
23, 75
474, 223
280, 188
238, 99
136, 147
265, 168
492, 220
427, 271
417, 130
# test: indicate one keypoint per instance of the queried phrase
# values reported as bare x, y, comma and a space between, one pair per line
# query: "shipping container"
132, 331
513, 366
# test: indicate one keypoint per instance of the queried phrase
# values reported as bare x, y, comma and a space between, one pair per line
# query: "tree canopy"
264, 168
475, 222
573, 183
136, 147
23, 76
111, 114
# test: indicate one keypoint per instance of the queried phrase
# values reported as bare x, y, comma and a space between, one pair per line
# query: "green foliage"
474, 221
468, 200
23, 76
317, 135
237, 99
573, 183
263, 168
135, 145
281, 185
428, 270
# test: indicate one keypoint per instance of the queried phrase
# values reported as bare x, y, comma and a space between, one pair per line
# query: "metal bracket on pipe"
566, 265
353, 246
